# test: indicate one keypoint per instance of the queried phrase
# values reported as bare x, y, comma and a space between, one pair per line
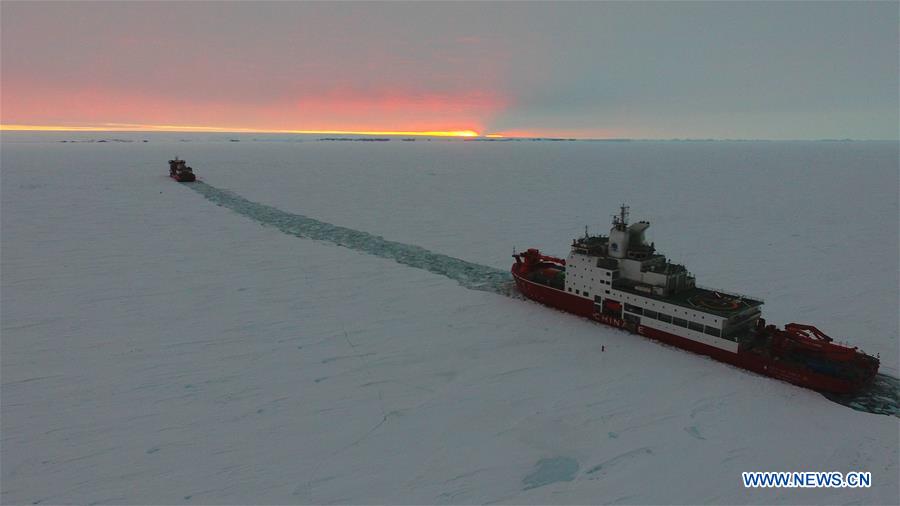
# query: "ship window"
596, 298
695, 326
633, 319
607, 292
681, 322
664, 318
650, 314
586, 294
577, 292
633, 309
713, 331
570, 289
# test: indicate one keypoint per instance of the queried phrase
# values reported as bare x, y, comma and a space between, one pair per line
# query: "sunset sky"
793, 70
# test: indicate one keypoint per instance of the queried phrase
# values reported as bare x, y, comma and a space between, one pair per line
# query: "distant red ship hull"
184, 177
179, 171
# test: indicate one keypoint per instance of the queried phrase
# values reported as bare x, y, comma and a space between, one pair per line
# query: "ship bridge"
623, 268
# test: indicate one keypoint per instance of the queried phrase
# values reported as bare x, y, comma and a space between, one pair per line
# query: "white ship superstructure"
623, 274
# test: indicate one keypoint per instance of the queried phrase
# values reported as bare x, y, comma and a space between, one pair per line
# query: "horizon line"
463, 134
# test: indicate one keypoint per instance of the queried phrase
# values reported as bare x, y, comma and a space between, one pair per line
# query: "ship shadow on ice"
469, 275
881, 397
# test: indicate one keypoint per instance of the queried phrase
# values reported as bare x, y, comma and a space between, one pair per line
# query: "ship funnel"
636, 232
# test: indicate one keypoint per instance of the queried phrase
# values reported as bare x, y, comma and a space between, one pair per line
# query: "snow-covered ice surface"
157, 348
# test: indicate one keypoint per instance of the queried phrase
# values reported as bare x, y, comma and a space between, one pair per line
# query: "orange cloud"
344, 110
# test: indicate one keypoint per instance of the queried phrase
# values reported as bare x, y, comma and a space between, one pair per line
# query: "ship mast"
620, 222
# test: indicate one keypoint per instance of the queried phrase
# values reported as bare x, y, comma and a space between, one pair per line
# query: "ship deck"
717, 303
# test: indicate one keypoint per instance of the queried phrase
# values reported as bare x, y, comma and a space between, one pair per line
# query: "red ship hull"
183, 178
758, 363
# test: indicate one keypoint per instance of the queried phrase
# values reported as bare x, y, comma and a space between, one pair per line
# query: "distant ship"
179, 171
620, 280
